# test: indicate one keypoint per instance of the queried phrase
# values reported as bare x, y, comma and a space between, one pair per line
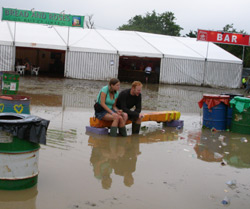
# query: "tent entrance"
51, 62
132, 69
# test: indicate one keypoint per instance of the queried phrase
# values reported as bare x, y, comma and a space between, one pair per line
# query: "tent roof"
90, 41
34, 35
170, 46
5, 36
208, 50
127, 43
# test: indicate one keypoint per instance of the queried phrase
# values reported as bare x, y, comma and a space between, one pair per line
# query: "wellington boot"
123, 131
136, 128
113, 131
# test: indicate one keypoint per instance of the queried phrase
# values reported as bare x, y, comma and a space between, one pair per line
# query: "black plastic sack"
27, 127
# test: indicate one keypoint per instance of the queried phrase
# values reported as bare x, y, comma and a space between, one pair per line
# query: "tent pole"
68, 37
66, 57
205, 65
14, 41
14, 48
243, 54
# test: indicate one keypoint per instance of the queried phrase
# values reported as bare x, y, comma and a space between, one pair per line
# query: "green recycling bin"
241, 115
10, 83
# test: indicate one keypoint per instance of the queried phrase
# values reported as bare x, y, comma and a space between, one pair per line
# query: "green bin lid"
242, 99
240, 103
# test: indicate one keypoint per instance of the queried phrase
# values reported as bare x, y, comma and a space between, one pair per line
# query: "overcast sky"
110, 14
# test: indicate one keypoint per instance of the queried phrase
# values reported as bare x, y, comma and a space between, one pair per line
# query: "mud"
163, 167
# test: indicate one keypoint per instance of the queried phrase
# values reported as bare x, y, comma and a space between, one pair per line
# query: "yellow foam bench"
162, 116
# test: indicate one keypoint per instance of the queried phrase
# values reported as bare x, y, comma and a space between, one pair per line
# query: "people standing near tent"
105, 108
148, 71
130, 98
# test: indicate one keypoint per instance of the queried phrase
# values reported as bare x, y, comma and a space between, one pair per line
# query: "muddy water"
161, 168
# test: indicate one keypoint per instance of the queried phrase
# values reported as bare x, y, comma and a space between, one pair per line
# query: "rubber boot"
136, 128
123, 131
113, 131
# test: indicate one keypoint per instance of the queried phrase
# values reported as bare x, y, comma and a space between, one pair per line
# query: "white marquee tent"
94, 54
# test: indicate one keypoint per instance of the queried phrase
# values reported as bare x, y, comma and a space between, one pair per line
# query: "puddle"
163, 167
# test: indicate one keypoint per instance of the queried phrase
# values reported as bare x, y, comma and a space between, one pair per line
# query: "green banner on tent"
29, 16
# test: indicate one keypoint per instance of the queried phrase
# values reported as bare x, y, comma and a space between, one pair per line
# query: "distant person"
27, 65
147, 71
244, 82
106, 100
131, 98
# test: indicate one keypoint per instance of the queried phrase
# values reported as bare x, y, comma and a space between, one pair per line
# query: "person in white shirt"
147, 71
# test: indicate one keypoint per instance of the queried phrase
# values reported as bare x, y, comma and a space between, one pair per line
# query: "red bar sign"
223, 37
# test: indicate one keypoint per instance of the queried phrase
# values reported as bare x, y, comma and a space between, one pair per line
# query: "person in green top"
107, 98
244, 82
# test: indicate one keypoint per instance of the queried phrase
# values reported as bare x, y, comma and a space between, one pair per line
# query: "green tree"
154, 23
192, 34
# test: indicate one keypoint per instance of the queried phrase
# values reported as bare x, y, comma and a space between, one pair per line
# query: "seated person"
128, 99
107, 98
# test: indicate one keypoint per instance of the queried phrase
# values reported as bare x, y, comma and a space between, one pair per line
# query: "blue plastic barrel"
216, 116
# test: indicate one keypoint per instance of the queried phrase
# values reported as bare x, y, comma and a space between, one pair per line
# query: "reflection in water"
119, 155
24, 199
114, 154
238, 153
219, 146
61, 139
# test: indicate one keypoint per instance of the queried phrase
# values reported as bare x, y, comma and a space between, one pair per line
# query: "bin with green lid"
241, 115
10, 83
229, 109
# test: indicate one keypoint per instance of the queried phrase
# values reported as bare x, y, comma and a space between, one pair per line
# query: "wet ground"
163, 167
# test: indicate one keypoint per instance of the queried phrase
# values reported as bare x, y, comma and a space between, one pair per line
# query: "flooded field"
161, 168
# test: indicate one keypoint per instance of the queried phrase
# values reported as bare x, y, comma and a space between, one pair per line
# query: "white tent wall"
94, 54
91, 66
181, 71
222, 74
7, 54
